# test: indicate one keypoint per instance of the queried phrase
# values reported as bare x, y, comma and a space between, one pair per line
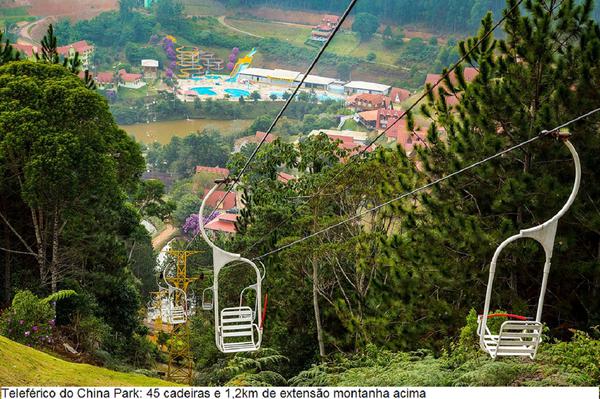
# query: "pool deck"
185, 89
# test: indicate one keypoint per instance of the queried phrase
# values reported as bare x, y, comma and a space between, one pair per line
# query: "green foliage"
29, 320
365, 25
57, 296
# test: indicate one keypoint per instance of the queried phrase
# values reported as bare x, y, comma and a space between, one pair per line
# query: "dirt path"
221, 20
161, 239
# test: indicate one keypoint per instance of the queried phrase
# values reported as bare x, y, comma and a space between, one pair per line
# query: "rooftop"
225, 222
105, 77
150, 63
81, 47
217, 196
314, 79
357, 84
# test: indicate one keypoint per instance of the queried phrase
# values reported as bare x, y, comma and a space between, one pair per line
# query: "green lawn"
14, 14
294, 34
132, 94
23, 366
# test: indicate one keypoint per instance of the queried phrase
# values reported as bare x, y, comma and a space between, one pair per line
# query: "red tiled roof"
469, 73
369, 115
217, 196
129, 77
225, 222
270, 138
319, 33
331, 18
80, 46
324, 28
26, 49
397, 95
285, 177
105, 77
216, 169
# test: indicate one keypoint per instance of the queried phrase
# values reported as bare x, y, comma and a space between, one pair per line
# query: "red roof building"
224, 223
367, 102
285, 177
398, 131
256, 139
105, 78
26, 49
216, 198
129, 77
398, 95
322, 31
469, 73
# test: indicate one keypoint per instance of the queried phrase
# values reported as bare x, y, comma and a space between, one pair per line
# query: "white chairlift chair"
521, 336
236, 328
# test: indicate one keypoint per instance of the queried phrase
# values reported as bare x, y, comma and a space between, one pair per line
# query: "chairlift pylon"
519, 335
236, 328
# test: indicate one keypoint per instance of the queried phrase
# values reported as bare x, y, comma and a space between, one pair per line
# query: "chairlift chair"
519, 335
236, 328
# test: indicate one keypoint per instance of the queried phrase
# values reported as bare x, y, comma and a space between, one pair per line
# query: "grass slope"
22, 366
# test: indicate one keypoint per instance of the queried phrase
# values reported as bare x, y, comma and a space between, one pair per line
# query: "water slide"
242, 64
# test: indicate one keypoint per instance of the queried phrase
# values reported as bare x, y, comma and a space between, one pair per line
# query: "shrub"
30, 320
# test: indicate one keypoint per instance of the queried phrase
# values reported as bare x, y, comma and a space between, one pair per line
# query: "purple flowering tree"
191, 227
230, 66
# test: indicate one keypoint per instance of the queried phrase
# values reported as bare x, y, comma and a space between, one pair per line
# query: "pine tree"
542, 73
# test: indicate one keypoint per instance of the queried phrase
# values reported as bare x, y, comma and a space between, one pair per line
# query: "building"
323, 31
130, 80
315, 82
367, 102
398, 95
257, 138
85, 50
222, 199
397, 130
349, 140
223, 223
105, 80
469, 74
359, 87
150, 69
367, 118
27, 49
285, 177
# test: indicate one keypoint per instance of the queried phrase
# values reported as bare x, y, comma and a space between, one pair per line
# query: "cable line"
542, 134
408, 110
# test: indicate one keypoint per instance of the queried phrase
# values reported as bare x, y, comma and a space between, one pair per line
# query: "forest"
389, 298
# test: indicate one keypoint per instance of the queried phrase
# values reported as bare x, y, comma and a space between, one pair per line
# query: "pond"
163, 131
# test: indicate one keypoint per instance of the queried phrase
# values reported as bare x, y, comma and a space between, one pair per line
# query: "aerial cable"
542, 134
408, 110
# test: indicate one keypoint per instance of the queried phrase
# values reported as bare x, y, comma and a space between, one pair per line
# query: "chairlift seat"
515, 338
237, 330
177, 315
207, 302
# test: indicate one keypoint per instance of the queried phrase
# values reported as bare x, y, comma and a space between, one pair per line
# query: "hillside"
22, 365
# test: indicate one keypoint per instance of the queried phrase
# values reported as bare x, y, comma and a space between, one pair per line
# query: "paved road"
161, 239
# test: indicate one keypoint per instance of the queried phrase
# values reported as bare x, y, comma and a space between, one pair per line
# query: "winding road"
221, 20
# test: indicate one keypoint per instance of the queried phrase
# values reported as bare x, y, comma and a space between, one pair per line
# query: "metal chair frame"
522, 337
232, 323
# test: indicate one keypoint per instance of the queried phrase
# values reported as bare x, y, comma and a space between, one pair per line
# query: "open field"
11, 15
23, 366
295, 34
72, 9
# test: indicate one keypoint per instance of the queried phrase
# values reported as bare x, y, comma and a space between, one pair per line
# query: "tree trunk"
315, 282
54, 263
7, 269
41, 250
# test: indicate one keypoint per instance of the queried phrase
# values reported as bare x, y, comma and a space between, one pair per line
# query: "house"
221, 199
358, 87
350, 140
85, 50
398, 95
367, 118
285, 177
27, 49
223, 223
367, 102
397, 130
323, 31
130, 80
256, 139
469, 74
105, 80
150, 69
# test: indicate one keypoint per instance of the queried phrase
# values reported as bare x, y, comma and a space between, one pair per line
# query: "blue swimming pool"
214, 77
237, 92
279, 94
204, 91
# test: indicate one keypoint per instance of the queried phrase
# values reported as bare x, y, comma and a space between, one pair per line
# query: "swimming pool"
237, 92
212, 76
204, 91
279, 94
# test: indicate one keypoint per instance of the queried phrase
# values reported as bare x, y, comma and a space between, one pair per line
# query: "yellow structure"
188, 61
180, 368
242, 63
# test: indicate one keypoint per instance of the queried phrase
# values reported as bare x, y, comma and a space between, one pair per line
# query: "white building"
359, 87
150, 69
